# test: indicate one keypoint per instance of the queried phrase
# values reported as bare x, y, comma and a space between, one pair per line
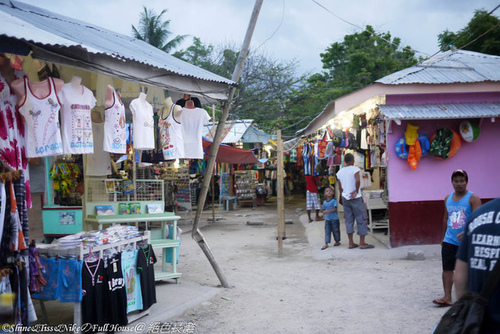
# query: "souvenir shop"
243, 177
362, 134
407, 159
95, 145
94, 182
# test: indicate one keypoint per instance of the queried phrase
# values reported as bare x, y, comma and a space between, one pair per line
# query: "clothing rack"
80, 252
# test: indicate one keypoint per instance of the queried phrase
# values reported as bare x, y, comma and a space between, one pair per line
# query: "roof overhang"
440, 111
62, 40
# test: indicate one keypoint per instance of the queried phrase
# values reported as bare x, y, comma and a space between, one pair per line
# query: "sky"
286, 29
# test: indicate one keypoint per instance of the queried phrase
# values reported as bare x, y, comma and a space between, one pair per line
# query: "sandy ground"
305, 289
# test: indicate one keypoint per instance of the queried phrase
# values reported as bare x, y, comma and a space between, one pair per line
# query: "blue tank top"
458, 212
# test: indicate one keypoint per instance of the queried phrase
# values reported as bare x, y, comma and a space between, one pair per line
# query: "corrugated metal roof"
58, 30
441, 111
449, 67
244, 131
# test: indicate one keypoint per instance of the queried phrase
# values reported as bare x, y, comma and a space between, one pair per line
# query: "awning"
241, 131
229, 154
59, 39
440, 111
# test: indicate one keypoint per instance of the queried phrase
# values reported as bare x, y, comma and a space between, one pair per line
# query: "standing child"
332, 223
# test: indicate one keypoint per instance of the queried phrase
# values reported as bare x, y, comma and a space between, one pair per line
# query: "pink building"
439, 93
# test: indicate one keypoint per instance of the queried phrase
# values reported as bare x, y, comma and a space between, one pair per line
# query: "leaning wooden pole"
196, 233
280, 193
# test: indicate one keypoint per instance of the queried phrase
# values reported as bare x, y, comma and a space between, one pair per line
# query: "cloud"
306, 31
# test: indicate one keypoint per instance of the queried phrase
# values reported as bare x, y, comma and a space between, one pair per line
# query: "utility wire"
363, 29
466, 30
478, 37
276, 30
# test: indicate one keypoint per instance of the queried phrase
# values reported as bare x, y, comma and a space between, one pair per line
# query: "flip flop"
353, 246
367, 247
441, 302
324, 247
337, 244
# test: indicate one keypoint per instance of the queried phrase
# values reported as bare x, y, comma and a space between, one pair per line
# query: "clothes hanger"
91, 258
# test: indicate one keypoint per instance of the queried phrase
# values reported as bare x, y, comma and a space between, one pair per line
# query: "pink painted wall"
432, 178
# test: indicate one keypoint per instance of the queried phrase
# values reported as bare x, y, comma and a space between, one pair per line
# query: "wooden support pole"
280, 192
196, 233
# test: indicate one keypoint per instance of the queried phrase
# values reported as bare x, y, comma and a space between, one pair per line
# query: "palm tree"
155, 31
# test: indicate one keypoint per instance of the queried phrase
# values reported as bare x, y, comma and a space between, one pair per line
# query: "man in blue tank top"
458, 207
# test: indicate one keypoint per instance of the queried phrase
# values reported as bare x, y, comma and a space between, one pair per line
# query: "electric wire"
466, 30
478, 37
363, 29
275, 31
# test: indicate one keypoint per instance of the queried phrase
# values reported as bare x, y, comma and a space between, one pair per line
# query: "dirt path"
307, 290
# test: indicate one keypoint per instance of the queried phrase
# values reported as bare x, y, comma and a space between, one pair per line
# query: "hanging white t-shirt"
192, 121
143, 124
346, 177
98, 164
172, 141
115, 134
76, 122
42, 122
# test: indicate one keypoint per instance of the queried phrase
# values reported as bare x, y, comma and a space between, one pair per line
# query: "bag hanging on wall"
466, 314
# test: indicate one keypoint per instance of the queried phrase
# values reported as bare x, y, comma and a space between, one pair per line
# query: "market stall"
432, 119
107, 89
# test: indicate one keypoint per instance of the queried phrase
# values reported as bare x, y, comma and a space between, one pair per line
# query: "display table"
226, 200
162, 242
373, 201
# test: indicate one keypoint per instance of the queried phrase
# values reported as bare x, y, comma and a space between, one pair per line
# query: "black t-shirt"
145, 268
93, 292
116, 293
480, 248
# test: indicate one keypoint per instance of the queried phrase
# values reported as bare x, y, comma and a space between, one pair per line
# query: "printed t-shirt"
116, 296
458, 211
42, 122
93, 292
76, 121
145, 267
132, 280
172, 140
480, 248
115, 134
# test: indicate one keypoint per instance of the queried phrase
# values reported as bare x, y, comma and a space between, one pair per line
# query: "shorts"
312, 201
354, 209
449, 256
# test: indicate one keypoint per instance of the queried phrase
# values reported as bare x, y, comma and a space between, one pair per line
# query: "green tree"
364, 57
153, 30
265, 88
359, 60
482, 34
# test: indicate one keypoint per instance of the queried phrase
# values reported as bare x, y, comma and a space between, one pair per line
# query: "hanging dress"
172, 141
12, 136
42, 122
115, 134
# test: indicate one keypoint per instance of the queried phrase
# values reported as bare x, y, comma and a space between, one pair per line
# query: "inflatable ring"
425, 144
454, 145
402, 149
